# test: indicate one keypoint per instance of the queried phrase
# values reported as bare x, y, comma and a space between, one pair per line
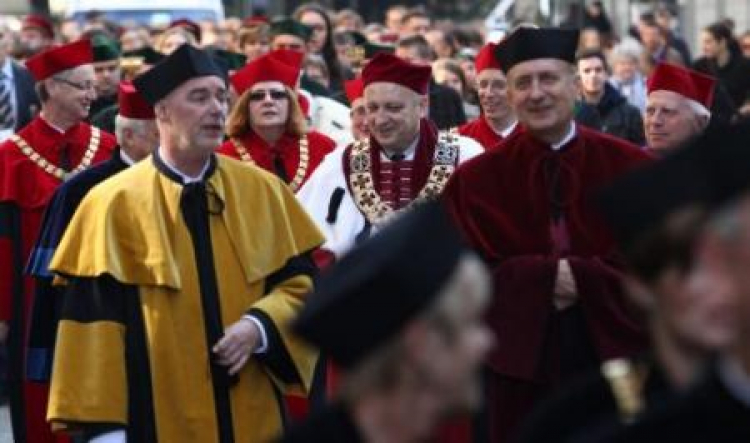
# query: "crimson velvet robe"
25, 190
287, 147
501, 201
480, 130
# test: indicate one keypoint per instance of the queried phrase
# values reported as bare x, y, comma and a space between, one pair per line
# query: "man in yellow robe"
182, 274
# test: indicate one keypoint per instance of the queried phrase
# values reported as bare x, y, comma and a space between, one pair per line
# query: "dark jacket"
734, 76
612, 115
446, 106
27, 102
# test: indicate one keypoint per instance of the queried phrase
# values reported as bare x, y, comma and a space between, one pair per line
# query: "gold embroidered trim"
375, 210
304, 160
50, 168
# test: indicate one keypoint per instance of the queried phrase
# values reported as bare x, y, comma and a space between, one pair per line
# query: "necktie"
397, 157
6, 109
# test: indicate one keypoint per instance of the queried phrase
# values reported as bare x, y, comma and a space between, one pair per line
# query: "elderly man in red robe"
677, 107
557, 308
33, 163
497, 121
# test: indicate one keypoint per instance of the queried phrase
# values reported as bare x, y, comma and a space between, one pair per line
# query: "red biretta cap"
486, 58
132, 104
686, 82
388, 68
354, 89
39, 22
264, 69
60, 58
189, 25
288, 57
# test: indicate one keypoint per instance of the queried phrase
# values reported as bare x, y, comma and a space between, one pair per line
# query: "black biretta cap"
185, 63
526, 44
375, 290
642, 199
726, 162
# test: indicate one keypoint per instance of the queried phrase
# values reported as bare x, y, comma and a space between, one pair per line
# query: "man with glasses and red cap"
677, 107
137, 137
404, 161
497, 120
33, 163
267, 127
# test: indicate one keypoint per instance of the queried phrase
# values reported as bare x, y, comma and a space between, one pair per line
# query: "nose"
535, 90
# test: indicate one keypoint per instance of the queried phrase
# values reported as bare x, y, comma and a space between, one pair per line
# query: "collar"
56, 128
570, 135
175, 174
408, 153
735, 379
506, 132
126, 158
7, 69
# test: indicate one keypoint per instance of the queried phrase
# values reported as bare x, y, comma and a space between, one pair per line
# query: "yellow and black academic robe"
155, 271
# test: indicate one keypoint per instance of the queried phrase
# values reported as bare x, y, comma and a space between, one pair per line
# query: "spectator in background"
349, 20
590, 38
596, 17
656, 47
321, 43
600, 106
744, 41
17, 80
355, 95
415, 22
445, 105
442, 43
37, 34
394, 17
255, 39
173, 38
317, 70
668, 23
447, 72
287, 33
723, 59
134, 39
626, 77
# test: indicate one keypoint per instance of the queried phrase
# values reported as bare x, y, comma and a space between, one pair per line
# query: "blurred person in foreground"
414, 298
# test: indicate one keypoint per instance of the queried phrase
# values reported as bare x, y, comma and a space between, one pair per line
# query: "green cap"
291, 27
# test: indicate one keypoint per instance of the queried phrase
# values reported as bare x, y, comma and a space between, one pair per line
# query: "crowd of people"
310, 228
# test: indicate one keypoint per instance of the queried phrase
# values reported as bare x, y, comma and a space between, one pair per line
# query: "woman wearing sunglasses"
267, 126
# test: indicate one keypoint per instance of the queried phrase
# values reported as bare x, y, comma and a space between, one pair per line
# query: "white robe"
315, 196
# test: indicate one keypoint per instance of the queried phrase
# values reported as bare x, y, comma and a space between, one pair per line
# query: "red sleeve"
617, 328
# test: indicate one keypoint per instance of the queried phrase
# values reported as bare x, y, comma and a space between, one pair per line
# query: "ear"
419, 341
161, 112
424, 105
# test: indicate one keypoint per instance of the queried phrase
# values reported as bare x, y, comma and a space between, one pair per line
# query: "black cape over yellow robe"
155, 271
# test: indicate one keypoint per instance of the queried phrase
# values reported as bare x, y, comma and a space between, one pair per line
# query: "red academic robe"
25, 190
288, 147
480, 130
501, 201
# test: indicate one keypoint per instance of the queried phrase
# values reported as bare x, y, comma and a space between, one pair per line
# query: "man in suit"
18, 100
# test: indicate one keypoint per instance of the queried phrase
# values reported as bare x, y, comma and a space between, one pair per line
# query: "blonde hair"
239, 122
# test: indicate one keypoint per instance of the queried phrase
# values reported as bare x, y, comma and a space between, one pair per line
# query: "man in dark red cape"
557, 309
33, 163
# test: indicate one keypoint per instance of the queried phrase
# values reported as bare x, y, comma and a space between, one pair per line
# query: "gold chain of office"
304, 160
367, 199
49, 167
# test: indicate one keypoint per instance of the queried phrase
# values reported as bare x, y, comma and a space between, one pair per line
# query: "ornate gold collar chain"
52, 169
369, 202
304, 160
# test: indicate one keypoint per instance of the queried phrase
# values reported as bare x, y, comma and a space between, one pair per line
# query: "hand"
3, 331
566, 292
240, 340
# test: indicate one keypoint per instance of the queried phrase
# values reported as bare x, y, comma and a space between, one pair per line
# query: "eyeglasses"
260, 95
84, 86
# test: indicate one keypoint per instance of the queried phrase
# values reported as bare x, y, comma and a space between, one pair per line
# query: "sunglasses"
257, 96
